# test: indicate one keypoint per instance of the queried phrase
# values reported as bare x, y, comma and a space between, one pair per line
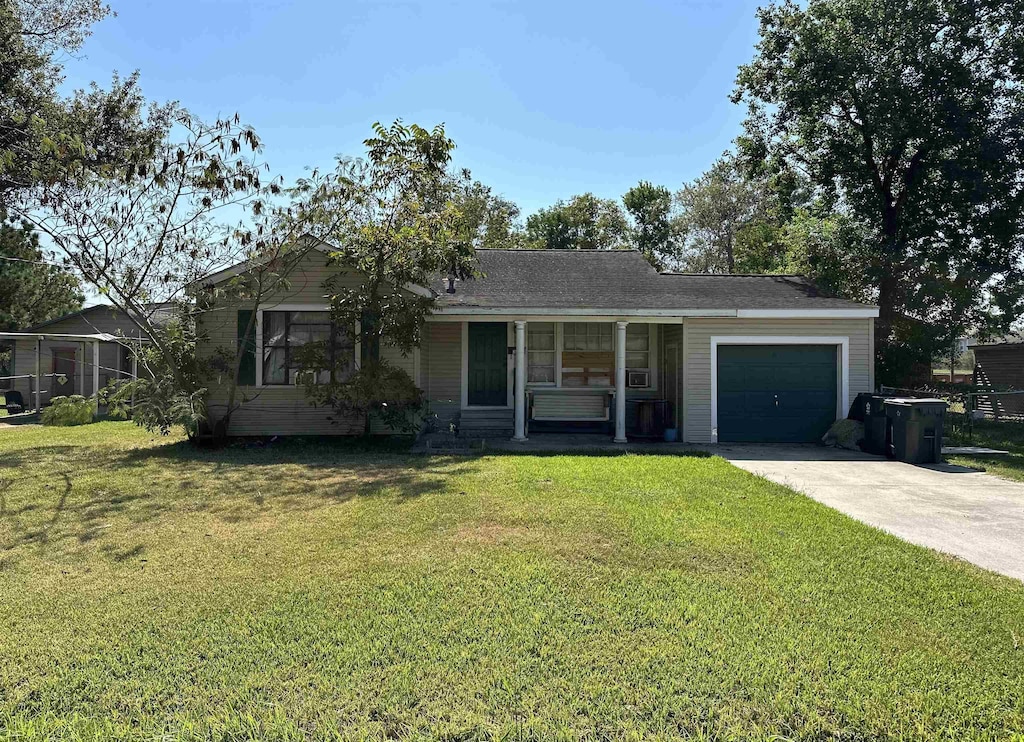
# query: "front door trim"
510, 371
843, 342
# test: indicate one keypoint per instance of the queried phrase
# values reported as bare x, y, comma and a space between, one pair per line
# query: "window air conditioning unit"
638, 379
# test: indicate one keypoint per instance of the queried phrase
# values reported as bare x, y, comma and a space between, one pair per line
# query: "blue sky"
543, 99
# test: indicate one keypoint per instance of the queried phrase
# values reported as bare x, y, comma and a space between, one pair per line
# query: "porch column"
135, 372
520, 382
96, 376
39, 349
620, 382
81, 370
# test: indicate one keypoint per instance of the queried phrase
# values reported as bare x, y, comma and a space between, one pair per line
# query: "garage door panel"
776, 393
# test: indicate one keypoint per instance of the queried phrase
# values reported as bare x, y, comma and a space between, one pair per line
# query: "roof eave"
865, 312
318, 244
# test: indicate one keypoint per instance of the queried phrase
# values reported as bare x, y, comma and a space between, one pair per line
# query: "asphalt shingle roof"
621, 279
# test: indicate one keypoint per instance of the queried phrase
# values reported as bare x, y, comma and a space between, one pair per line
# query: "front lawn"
150, 590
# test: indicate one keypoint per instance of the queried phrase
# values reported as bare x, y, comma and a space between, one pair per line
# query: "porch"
47, 365
566, 376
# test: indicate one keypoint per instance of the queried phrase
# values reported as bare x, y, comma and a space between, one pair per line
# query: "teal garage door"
776, 393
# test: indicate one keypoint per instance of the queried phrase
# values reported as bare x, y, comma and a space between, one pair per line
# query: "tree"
718, 212
829, 248
652, 232
910, 116
489, 220
142, 238
585, 222
45, 137
32, 289
394, 222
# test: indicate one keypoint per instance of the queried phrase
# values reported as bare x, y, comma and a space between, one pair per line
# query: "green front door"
488, 364
776, 393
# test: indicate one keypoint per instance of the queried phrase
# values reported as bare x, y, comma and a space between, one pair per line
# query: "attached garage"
777, 392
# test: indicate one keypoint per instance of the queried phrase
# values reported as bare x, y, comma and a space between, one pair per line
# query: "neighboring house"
66, 357
999, 365
591, 333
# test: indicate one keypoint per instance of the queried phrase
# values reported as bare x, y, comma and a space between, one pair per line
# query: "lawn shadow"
25, 457
236, 483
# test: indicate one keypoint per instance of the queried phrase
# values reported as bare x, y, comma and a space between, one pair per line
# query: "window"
284, 332
587, 336
588, 358
540, 353
638, 347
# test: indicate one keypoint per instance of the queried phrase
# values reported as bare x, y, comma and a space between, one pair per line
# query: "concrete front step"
479, 425
486, 414
465, 424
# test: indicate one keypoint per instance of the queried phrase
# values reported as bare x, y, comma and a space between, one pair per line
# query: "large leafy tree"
45, 136
652, 232
142, 238
585, 222
32, 288
488, 219
909, 116
727, 219
394, 222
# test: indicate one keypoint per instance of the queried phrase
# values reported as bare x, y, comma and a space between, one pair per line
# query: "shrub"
167, 393
65, 411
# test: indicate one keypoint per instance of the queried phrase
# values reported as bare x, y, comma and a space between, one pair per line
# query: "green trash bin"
915, 429
876, 423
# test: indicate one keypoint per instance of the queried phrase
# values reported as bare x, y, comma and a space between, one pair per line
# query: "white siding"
697, 359
441, 369
281, 410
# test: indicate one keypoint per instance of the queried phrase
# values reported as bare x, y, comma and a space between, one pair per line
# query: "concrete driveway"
975, 516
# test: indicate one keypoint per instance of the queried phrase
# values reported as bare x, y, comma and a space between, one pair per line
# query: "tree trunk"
888, 289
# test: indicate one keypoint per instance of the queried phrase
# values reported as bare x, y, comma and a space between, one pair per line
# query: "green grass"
316, 590
1003, 435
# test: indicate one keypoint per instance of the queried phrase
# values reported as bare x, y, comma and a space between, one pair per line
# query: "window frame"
260, 360
652, 356
649, 368
599, 335
556, 363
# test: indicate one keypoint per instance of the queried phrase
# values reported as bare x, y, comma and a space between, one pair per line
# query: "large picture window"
284, 332
540, 352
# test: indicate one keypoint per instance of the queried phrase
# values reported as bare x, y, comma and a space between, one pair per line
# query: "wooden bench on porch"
581, 398
570, 405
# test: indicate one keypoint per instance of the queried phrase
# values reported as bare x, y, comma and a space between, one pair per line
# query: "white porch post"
39, 348
96, 376
520, 392
620, 382
135, 370
81, 370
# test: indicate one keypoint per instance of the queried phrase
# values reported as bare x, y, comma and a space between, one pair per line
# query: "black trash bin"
915, 429
870, 409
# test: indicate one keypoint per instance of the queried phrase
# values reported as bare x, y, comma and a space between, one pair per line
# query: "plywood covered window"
540, 352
